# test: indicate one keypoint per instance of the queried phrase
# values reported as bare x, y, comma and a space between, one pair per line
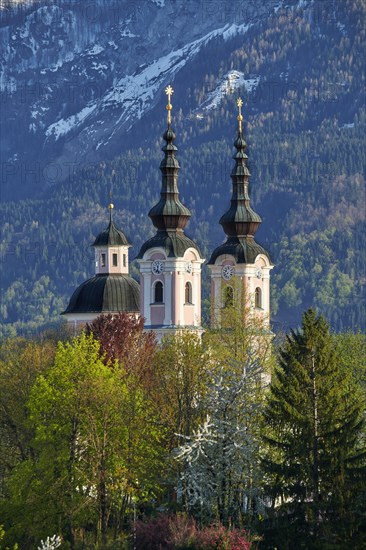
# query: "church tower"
240, 267
170, 262
111, 290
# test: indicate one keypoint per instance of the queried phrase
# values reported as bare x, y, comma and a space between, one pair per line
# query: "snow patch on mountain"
342, 28
63, 126
134, 93
232, 30
226, 86
95, 50
128, 34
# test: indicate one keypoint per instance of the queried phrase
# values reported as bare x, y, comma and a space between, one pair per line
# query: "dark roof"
111, 236
174, 244
169, 213
105, 293
243, 249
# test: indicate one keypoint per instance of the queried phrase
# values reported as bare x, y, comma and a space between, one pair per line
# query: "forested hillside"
301, 75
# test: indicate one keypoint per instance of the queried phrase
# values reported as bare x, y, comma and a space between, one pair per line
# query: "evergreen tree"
315, 458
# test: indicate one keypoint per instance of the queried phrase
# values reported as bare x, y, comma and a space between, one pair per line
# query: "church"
169, 294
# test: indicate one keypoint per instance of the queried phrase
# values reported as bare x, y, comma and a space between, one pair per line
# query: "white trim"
196, 282
180, 299
168, 299
151, 251
146, 298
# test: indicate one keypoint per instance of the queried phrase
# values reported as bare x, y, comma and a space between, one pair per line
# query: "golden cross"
240, 116
169, 91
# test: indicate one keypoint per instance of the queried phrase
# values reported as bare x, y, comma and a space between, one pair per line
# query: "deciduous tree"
122, 338
95, 446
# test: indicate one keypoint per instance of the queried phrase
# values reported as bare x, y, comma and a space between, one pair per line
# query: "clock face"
188, 267
227, 272
258, 273
157, 267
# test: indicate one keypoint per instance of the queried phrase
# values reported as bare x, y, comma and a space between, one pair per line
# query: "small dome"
105, 293
111, 236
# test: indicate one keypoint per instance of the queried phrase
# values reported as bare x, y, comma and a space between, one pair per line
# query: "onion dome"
169, 215
105, 294
240, 222
111, 236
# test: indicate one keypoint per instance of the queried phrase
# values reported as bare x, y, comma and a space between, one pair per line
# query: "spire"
169, 214
240, 220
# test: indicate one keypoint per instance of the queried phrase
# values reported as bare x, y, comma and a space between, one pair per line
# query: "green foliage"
21, 361
350, 349
315, 451
2, 534
88, 444
95, 447
181, 369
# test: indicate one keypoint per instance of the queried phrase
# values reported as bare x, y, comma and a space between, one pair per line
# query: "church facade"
169, 294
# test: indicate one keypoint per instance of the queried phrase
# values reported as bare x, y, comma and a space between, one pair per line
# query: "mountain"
83, 113
77, 76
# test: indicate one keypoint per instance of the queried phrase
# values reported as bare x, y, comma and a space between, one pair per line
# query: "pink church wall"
157, 315
188, 310
157, 256
190, 256
188, 314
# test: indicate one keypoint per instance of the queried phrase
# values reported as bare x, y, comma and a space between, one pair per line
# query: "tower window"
102, 260
124, 260
115, 260
258, 297
158, 292
188, 293
228, 296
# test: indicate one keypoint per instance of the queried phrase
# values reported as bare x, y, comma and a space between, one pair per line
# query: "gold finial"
240, 116
110, 207
169, 91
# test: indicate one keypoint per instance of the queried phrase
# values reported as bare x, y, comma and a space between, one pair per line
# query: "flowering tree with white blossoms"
51, 543
220, 460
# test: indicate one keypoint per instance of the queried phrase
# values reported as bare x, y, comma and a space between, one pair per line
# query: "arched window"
228, 296
258, 297
158, 292
188, 293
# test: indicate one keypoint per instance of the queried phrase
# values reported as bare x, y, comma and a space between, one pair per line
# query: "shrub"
182, 533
